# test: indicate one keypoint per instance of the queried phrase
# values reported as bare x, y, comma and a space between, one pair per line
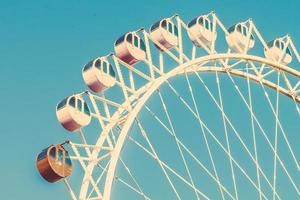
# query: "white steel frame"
109, 147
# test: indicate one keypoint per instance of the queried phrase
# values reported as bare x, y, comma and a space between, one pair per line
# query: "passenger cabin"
73, 113
237, 39
278, 51
201, 29
165, 32
99, 75
54, 163
130, 48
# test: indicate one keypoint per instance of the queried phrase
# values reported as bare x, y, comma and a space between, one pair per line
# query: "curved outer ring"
152, 86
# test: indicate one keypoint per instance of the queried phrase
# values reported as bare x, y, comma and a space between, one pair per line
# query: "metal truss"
111, 115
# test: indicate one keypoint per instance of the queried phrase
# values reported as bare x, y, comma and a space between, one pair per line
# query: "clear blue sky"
43, 46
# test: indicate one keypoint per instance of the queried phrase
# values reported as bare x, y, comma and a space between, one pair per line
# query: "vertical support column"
214, 29
121, 80
149, 56
194, 52
248, 36
106, 108
286, 44
161, 61
179, 39
131, 79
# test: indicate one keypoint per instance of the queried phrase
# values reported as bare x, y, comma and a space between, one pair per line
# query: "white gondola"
237, 39
73, 113
99, 75
201, 29
165, 32
276, 52
130, 48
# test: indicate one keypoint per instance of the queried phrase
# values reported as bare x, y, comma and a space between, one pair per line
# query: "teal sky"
43, 46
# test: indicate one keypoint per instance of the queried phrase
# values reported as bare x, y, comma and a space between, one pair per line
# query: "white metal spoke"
166, 166
99, 179
229, 122
296, 103
264, 134
157, 158
178, 146
226, 136
276, 137
254, 136
205, 138
199, 162
104, 170
132, 188
134, 179
129, 171
278, 123
287, 142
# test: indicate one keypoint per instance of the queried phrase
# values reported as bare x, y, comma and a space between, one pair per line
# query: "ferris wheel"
184, 111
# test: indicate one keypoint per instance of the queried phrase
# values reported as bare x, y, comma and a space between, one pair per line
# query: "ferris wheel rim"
151, 87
